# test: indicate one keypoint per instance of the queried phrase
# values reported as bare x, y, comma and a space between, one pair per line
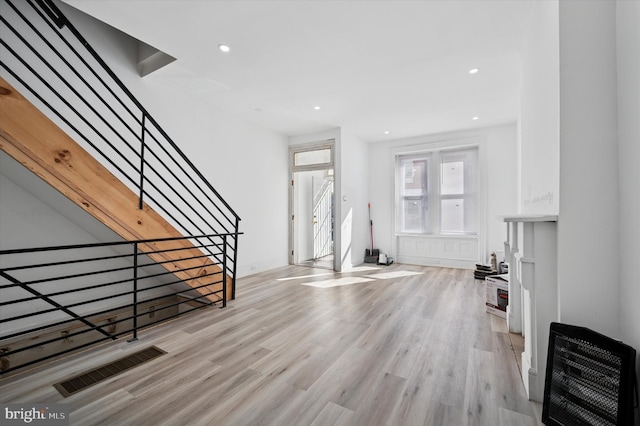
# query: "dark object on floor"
483, 271
590, 379
371, 255
106, 371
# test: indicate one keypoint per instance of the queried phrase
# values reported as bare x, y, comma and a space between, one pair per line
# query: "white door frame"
293, 150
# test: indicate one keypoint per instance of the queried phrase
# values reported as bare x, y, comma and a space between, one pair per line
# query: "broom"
371, 255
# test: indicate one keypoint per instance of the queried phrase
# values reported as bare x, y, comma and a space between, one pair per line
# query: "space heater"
590, 379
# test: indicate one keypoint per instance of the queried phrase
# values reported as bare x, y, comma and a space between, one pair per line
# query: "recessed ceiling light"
257, 109
386, 132
224, 48
316, 107
473, 70
475, 118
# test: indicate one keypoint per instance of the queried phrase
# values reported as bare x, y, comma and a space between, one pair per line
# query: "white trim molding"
450, 251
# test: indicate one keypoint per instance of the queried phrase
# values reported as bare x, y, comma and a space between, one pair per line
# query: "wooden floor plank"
510, 418
410, 350
333, 414
480, 401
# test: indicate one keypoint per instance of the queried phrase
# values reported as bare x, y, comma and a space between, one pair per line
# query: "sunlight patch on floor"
304, 276
338, 282
394, 274
347, 271
361, 269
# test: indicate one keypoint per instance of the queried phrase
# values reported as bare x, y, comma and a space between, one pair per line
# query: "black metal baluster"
142, 149
135, 293
224, 271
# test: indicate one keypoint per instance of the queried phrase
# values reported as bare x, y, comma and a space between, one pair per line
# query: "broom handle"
371, 228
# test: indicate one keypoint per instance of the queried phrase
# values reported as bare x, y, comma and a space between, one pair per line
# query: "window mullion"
434, 190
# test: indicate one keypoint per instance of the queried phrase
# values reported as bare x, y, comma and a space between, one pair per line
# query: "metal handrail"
43, 52
129, 275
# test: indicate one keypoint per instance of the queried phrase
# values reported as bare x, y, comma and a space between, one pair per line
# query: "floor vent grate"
96, 375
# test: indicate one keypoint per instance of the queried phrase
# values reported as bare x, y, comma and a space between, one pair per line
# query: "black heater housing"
590, 379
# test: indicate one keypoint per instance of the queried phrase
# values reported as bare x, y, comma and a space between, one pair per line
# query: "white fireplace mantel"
531, 252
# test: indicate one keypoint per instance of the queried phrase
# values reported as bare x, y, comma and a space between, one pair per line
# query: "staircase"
31, 138
68, 118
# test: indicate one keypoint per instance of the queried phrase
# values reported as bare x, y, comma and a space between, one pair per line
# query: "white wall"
354, 165
594, 48
588, 230
501, 183
500, 145
539, 116
34, 215
628, 51
30, 208
245, 163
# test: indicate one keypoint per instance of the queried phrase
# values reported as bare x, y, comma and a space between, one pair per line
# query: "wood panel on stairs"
28, 136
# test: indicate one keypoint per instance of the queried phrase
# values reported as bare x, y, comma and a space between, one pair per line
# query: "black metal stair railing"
78, 295
42, 52
85, 294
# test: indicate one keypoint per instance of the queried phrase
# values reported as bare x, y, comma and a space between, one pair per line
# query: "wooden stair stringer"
32, 139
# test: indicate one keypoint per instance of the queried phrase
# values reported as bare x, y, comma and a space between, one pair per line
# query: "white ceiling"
371, 66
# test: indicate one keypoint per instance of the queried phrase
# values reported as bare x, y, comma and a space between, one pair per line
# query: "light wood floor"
413, 346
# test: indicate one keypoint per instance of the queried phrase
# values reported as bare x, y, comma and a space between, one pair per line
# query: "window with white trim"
437, 192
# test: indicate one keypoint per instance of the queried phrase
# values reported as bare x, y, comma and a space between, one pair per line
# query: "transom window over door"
437, 192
